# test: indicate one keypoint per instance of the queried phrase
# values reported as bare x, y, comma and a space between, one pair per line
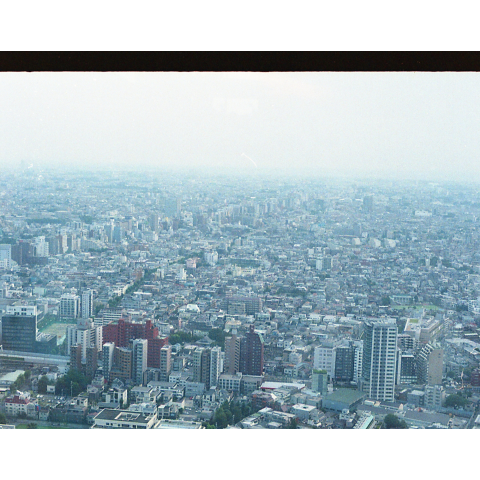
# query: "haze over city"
407, 125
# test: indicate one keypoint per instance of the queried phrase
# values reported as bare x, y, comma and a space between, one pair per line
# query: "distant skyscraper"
118, 234
41, 247
153, 222
368, 203
173, 207
379, 359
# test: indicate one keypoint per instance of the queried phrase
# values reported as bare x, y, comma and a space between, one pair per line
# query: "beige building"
430, 365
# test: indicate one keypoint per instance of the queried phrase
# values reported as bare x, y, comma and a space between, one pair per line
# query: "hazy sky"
420, 125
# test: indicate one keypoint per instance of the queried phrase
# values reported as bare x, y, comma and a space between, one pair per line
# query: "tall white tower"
139, 360
379, 358
87, 304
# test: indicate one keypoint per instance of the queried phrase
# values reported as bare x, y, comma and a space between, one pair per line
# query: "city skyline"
395, 125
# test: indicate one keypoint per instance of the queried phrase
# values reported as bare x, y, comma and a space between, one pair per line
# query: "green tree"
73, 382
392, 421
221, 418
385, 301
181, 336
455, 400
32, 425
218, 335
3, 419
42, 384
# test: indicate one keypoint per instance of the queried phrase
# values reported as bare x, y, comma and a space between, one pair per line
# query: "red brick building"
122, 332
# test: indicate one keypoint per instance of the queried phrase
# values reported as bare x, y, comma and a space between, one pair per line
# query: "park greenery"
229, 414
393, 422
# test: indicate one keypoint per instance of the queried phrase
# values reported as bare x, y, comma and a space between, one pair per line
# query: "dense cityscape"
189, 301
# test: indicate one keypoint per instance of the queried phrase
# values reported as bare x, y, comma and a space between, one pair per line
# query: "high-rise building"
320, 381
108, 351
19, 328
22, 252
87, 304
91, 362
406, 368
324, 358
118, 234
122, 364
139, 363
122, 332
215, 365
41, 247
69, 306
251, 353
172, 207
86, 334
379, 359
368, 203
344, 363
207, 366
357, 360
211, 257
434, 396
201, 366
76, 357
165, 362
232, 354
153, 222
5, 256
430, 364
253, 305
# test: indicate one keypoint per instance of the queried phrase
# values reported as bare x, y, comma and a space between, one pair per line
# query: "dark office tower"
232, 354
76, 357
201, 366
344, 364
53, 245
406, 368
19, 329
251, 353
22, 252
368, 203
92, 361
